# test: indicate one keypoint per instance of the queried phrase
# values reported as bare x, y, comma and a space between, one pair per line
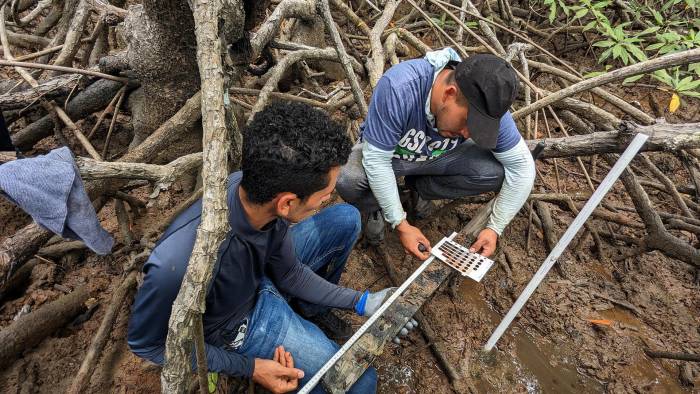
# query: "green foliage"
654, 28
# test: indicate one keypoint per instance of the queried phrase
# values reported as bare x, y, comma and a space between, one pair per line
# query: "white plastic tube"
575, 226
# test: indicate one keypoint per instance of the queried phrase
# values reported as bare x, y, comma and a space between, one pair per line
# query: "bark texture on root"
662, 137
217, 122
57, 87
27, 331
161, 52
94, 98
17, 249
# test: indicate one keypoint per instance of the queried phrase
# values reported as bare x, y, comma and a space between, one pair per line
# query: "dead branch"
17, 249
375, 63
61, 248
672, 355
63, 69
50, 106
304, 9
27, 40
277, 72
669, 186
19, 279
75, 31
666, 61
53, 88
101, 5
30, 329
91, 99
657, 238
93, 169
485, 28
662, 137
329, 106
324, 11
628, 108
43, 4
352, 16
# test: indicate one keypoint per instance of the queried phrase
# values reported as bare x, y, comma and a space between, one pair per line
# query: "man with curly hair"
444, 125
292, 155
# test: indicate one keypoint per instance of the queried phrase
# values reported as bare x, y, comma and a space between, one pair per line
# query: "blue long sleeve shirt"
245, 256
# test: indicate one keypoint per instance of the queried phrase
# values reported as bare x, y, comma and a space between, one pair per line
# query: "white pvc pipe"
575, 226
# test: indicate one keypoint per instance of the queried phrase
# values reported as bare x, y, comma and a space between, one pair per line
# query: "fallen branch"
662, 137
17, 249
63, 69
91, 99
657, 238
375, 63
673, 355
50, 89
324, 10
75, 31
30, 329
662, 62
635, 112
277, 72
303, 9
49, 106
93, 169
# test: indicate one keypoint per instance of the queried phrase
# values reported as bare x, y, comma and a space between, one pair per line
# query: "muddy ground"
553, 347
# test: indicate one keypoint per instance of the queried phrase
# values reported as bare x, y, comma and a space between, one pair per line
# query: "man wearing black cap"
444, 125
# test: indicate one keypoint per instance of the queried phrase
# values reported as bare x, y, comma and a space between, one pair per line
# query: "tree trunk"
162, 53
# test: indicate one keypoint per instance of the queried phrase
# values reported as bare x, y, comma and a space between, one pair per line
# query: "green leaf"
695, 67
681, 84
624, 55
691, 94
638, 53
689, 86
580, 13
632, 79
663, 76
552, 12
649, 30
604, 44
654, 47
589, 25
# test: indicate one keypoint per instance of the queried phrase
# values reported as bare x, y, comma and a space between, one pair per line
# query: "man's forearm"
382, 181
218, 359
519, 170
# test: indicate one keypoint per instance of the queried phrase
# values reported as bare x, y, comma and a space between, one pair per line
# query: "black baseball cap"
489, 84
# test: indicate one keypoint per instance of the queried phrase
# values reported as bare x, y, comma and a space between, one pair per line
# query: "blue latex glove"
369, 303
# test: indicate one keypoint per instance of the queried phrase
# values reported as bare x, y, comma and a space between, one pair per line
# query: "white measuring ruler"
394, 296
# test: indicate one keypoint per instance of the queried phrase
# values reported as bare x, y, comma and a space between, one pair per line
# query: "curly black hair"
290, 147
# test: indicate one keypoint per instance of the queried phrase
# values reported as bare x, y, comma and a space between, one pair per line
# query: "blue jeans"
322, 242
